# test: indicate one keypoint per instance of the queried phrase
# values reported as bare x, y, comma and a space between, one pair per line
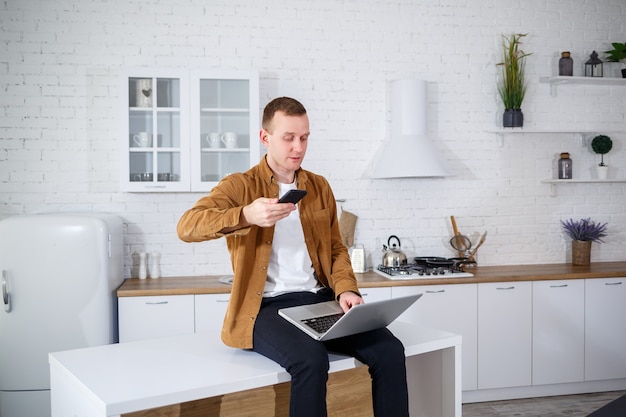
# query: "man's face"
286, 144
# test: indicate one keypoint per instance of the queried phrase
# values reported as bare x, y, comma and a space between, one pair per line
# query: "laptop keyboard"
322, 324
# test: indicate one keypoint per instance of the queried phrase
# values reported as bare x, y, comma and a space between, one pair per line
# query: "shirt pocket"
321, 230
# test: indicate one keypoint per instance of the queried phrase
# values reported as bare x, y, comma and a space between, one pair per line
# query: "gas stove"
424, 268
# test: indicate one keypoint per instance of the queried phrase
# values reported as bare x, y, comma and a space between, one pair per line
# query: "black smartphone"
292, 196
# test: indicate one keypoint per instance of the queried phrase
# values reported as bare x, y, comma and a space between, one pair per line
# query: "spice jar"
566, 64
565, 167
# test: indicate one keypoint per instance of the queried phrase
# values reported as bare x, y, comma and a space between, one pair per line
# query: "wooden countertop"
210, 284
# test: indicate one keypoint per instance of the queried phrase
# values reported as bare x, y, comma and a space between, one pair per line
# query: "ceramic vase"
155, 268
581, 252
603, 171
143, 267
513, 118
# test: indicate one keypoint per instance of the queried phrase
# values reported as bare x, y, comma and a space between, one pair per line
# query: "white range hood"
409, 152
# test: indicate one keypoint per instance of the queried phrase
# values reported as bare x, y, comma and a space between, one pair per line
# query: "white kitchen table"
122, 378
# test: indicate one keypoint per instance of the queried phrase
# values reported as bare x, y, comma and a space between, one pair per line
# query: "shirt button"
269, 242
263, 268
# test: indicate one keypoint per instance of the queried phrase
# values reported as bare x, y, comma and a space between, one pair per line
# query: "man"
285, 255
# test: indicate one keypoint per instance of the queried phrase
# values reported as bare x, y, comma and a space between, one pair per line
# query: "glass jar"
566, 64
565, 167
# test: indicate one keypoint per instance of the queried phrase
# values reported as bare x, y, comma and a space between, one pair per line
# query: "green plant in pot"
617, 54
601, 145
512, 83
583, 232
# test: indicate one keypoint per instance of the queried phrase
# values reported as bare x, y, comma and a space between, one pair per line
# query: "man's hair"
287, 105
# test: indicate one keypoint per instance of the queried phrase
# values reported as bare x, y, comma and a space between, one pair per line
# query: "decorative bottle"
565, 167
155, 268
143, 268
566, 64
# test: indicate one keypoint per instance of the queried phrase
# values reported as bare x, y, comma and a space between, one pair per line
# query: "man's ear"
264, 136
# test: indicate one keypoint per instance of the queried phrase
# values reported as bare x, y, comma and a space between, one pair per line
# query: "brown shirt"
250, 247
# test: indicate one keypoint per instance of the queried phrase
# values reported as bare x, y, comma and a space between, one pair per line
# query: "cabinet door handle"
6, 295
558, 286
156, 302
505, 288
221, 301
435, 292
613, 283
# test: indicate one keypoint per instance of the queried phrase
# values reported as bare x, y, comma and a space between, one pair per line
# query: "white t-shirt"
290, 267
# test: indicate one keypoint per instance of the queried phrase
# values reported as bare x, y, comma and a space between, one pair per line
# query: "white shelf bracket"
553, 89
500, 139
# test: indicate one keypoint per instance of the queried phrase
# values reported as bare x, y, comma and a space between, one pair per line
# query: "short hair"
287, 105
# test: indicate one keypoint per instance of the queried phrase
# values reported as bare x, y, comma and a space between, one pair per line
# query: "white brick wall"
59, 67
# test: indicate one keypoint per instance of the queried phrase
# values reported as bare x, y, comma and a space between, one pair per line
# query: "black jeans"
306, 359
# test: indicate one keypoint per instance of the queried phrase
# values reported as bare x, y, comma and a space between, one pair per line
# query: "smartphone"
292, 196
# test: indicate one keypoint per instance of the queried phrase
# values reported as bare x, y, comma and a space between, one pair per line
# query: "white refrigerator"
59, 274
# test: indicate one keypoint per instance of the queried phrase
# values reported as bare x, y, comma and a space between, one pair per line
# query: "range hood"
409, 152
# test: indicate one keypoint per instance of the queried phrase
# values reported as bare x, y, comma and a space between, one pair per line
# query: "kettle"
392, 256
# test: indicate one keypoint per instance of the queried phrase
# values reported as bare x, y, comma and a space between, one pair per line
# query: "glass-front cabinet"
225, 125
185, 131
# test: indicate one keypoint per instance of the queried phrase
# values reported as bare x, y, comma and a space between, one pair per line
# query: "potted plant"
512, 83
601, 145
583, 232
617, 54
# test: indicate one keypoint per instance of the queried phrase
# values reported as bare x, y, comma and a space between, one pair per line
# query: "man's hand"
265, 212
349, 299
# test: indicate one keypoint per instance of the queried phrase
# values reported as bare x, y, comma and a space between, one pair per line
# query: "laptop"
326, 320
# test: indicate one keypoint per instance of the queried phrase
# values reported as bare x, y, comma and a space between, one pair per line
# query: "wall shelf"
553, 183
561, 80
579, 133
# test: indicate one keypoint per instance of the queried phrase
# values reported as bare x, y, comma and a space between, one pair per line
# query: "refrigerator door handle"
6, 297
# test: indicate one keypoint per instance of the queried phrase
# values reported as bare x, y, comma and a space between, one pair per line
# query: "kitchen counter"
210, 284
197, 369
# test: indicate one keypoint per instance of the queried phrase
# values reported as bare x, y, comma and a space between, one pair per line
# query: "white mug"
143, 139
213, 139
230, 139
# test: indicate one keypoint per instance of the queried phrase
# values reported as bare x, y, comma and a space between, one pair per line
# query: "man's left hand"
349, 299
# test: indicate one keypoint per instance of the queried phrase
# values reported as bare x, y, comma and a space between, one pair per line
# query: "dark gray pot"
513, 118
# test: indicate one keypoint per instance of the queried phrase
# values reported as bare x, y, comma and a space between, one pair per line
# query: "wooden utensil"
456, 233
480, 242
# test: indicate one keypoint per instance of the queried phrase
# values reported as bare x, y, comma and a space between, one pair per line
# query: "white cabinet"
504, 334
224, 125
375, 294
558, 331
605, 338
155, 316
155, 130
210, 310
452, 308
168, 119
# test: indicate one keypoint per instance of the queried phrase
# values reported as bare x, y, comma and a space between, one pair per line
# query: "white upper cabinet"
224, 126
184, 131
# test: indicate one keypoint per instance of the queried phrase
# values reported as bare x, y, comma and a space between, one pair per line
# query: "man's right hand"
265, 212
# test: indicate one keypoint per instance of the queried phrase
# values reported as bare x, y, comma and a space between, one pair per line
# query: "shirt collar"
268, 175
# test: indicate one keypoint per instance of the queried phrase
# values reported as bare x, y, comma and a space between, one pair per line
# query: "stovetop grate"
420, 271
